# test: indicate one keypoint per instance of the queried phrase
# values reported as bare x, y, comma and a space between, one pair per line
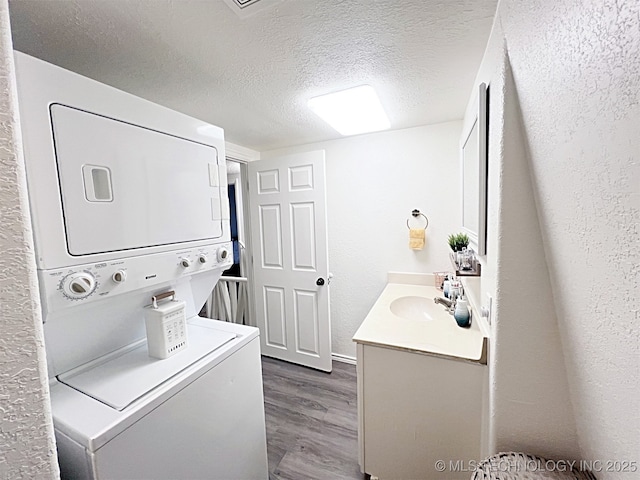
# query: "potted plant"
458, 241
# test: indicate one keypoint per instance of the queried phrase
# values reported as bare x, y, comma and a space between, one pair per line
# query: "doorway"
231, 299
279, 281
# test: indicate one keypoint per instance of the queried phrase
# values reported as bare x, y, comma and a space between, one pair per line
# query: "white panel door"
290, 260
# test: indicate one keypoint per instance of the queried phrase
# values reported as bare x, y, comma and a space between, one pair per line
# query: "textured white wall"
576, 66
528, 365
529, 404
564, 191
373, 183
26, 433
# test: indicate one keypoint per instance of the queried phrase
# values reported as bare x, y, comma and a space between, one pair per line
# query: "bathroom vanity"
421, 382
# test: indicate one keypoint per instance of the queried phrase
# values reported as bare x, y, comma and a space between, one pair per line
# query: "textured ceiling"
253, 76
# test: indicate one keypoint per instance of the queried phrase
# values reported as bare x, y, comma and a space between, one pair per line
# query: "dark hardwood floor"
312, 421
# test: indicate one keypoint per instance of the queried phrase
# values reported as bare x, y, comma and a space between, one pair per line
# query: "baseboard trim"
343, 358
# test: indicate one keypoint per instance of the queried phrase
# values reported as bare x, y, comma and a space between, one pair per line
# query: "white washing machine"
128, 202
197, 415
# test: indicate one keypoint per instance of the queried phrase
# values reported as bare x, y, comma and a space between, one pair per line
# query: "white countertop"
440, 336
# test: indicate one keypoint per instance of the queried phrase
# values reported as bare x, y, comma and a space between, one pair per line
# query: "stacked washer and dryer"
129, 202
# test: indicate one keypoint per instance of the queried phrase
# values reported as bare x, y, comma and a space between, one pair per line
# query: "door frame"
243, 156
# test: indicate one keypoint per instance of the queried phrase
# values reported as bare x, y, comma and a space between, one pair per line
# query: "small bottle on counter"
461, 313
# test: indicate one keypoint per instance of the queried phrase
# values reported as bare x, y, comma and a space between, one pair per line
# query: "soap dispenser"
461, 313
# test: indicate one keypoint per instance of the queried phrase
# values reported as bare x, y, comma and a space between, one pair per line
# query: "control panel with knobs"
65, 287
78, 285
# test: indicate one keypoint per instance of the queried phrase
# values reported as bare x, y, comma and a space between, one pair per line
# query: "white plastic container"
166, 326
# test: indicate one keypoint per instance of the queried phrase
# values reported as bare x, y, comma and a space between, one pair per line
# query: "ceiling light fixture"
352, 111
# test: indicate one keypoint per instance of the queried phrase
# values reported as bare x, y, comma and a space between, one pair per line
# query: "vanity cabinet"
422, 386
415, 409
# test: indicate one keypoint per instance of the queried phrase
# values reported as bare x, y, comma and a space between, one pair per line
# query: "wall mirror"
474, 173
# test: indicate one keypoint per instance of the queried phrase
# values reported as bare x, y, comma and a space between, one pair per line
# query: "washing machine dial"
202, 258
79, 285
119, 276
185, 262
222, 253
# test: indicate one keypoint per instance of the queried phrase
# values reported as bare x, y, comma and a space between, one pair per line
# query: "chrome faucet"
444, 301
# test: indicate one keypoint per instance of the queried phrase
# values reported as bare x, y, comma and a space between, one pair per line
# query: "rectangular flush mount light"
352, 111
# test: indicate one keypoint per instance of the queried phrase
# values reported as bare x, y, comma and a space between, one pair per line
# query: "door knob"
320, 281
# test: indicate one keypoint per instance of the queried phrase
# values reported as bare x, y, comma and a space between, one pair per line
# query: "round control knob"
202, 258
185, 262
79, 285
119, 276
223, 253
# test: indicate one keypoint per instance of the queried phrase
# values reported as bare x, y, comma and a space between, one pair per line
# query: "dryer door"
126, 187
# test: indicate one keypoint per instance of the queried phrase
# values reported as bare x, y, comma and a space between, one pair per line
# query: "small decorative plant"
458, 241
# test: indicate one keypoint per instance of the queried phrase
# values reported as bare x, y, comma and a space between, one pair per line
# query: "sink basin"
412, 308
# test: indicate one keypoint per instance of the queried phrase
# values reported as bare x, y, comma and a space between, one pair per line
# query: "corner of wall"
577, 71
26, 428
532, 399
529, 404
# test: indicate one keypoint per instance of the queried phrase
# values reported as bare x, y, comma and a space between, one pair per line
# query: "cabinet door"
360, 377
419, 409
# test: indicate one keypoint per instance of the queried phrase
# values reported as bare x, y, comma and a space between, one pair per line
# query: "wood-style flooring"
312, 421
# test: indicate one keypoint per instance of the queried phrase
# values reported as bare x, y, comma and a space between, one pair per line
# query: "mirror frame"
477, 239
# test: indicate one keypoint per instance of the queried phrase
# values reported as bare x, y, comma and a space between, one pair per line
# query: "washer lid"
120, 380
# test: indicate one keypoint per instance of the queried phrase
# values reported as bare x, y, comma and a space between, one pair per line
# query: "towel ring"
416, 213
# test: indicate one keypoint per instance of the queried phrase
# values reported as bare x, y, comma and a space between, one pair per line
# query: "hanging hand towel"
416, 238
